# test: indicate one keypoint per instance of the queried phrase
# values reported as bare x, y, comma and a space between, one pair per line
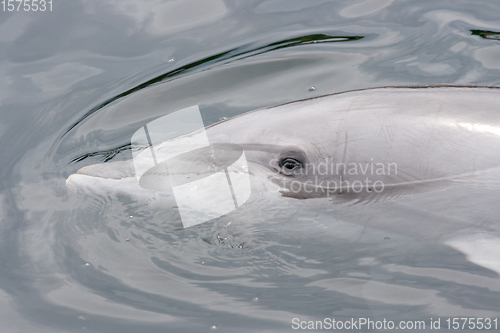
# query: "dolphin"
403, 166
364, 145
368, 146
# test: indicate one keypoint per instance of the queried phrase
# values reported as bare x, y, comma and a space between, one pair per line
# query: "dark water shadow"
105, 155
486, 34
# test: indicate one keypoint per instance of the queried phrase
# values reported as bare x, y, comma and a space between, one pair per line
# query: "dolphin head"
369, 144
360, 144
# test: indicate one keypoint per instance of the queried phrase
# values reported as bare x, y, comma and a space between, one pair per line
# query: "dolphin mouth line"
102, 177
364, 193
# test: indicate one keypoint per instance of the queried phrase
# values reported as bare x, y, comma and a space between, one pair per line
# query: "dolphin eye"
290, 164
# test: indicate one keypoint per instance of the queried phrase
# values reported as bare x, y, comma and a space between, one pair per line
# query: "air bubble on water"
256, 299
127, 239
131, 216
87, 264
222, 118
214, 327
312, 88
171, 60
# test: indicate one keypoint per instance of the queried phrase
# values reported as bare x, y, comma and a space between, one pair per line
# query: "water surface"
77, 82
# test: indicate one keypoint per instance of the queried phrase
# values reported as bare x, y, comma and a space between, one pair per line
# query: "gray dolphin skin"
364, 145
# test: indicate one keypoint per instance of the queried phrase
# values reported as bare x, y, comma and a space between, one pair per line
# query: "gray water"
78, 81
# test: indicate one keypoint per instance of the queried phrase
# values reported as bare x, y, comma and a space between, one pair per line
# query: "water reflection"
255, 270
224, 58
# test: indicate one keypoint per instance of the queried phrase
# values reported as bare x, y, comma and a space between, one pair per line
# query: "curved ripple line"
220, 59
